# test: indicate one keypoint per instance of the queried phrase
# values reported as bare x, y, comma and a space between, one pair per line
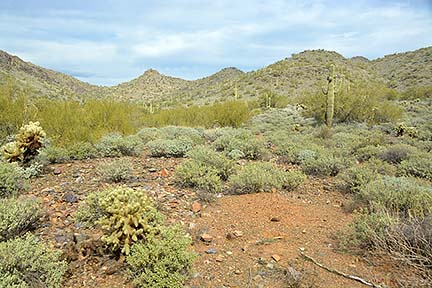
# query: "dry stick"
331, 270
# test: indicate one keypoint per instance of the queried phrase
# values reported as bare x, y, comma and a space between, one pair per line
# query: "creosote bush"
12, 180
263, 177
324, 164
115, 171
17, 216
397, 153
205, 170
163, 260
26, 262
169, 148
400, 195
115, 145
419, 165
242, 140
126, 216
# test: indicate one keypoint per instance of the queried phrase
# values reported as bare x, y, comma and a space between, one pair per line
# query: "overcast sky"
107, 42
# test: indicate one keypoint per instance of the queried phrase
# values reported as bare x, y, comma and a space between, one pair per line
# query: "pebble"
276, 257
196, 207
57, 172
206, 237
211, 251
275, 219
152, 170
219, 258
70, 197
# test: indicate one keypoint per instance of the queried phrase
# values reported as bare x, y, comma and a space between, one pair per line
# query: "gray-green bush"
12, 180
17, 216
162, 260
169, 148
26, 262
263, 177
115, 171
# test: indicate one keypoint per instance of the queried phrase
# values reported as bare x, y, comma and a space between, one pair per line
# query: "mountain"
405, 70
293, 76
42, 81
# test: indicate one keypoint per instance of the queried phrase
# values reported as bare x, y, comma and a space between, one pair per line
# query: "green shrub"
205, 170
115, 145
26, 262
209, 157
239, 139
419, 165
324, 165
356, 177
368, 152
149, 134
175, 132
125, 215
12, 180
54, 154
162, 260
405, 196
397, 153
365, 230
169, 148
263, 177
115, 171
17, 217
81, 151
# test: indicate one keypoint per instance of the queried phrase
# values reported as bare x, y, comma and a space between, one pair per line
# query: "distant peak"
151, 71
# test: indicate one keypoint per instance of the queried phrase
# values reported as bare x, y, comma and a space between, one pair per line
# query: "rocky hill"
293, 76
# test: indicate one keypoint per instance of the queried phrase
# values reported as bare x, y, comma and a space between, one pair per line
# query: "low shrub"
115, 171
364, 231
26, 262
81, 151
55, 154
241, 140
162, 260
115, 145
149, 134
17, 217
325, 164
125, 215
397, 153
356, 177
368, 152
169, 148
12, 179
404, 196
209, 157
176, 132
263, 177
419, 165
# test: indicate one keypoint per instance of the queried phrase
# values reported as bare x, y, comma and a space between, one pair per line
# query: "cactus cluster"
28, 141
126, 215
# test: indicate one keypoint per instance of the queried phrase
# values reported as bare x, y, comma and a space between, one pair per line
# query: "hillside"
405, 70
44, 82
293, 76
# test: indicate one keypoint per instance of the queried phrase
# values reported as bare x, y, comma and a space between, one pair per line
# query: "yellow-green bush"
127, 216
115, 171
12, 180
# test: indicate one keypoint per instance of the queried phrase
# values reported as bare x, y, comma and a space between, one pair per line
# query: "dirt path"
255, 238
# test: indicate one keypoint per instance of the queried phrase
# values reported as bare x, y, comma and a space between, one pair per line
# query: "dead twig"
334, 271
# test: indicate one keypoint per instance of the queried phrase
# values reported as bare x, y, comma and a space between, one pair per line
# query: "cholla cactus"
28, 141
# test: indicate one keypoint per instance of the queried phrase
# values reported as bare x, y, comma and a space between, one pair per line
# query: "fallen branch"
334, 271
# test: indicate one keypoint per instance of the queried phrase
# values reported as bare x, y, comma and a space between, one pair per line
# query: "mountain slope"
405, 70
293, 76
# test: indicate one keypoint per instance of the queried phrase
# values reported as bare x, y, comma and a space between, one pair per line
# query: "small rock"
270, 266
275, 219
60, 238
328, 201
164, 172
238, 272
229, 252
152, 170
302, 249
276, 257
304, 231
206, 237
257, 278
70, 197
211, 251
48, 190
79, 179
238, 233
219, 258
196, 207
57, 172
192, 226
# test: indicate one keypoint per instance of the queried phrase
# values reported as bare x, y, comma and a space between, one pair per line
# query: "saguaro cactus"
334, 86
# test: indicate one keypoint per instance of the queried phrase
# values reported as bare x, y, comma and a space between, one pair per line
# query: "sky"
106, 42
